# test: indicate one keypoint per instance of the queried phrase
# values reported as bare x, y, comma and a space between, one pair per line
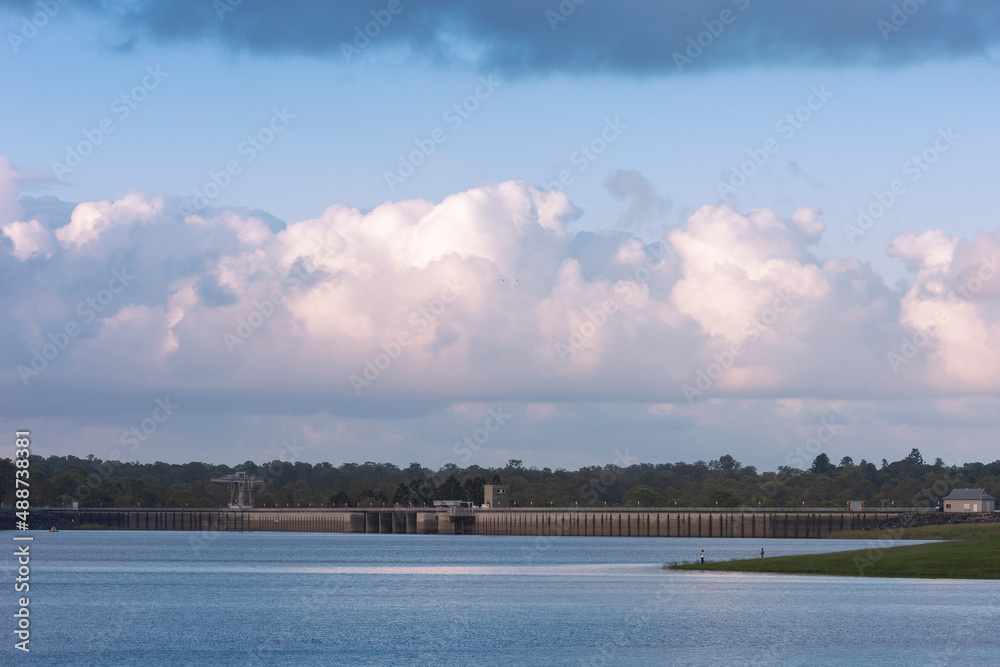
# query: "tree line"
58, 481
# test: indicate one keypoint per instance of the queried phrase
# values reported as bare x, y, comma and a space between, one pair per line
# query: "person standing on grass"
762, 552
703, 556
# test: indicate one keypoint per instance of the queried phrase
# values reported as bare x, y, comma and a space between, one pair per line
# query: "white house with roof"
968, 500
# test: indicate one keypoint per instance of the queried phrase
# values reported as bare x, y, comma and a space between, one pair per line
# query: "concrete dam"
606, 522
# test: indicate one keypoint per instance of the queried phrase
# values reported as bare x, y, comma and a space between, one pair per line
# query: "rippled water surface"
173, 598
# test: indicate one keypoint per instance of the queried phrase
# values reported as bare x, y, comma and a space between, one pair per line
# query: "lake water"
173, 598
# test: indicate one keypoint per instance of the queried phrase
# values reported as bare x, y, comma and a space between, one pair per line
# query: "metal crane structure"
240, 489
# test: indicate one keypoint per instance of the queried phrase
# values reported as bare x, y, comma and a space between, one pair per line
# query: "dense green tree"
723, 498
372, 498
61, 480
644, 496
725, 465
423, 490
821, 464
472, 489
451, 489
340, 499
402, 495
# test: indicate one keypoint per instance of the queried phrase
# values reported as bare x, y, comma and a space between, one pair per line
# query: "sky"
570, 233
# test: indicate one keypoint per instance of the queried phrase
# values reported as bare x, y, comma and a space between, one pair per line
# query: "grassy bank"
965, 531
95, 526
970, 559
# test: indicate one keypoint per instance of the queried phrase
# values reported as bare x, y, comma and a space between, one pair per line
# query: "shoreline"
963, 559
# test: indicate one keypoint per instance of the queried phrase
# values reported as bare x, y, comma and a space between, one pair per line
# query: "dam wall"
583, 522
673, 523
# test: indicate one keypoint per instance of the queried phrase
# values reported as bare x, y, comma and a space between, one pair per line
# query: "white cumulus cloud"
487, 297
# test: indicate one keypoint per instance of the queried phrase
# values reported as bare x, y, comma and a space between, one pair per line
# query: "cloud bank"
486, 295
525, 36
391, 332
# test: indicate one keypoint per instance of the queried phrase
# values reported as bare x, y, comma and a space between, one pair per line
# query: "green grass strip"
966, 531
970, 559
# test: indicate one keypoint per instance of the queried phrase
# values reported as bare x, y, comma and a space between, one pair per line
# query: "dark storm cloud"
526, 36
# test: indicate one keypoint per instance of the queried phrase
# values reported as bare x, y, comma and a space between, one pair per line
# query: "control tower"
240, 489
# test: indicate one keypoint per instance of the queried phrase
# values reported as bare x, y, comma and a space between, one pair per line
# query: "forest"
58, 481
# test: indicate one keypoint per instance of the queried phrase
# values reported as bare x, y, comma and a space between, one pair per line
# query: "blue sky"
328, 130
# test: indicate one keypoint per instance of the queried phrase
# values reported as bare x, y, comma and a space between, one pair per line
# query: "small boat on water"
53, 529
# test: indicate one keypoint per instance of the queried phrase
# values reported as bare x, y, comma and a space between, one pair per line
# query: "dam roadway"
569, 521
